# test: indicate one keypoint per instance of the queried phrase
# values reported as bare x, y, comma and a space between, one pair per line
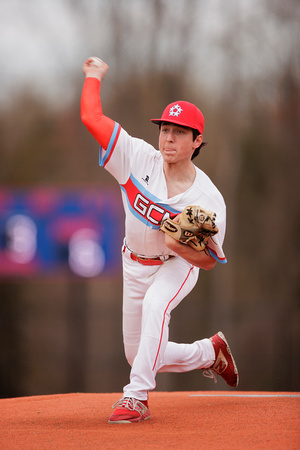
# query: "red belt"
146, 261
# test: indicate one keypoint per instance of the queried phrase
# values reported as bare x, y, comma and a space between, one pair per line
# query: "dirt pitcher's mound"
179, 420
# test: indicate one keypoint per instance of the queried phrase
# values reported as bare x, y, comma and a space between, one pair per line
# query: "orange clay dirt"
179, 420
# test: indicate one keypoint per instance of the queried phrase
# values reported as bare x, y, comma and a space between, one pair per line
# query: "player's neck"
179, 178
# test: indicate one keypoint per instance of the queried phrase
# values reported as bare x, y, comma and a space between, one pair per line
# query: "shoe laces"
130, 403
210, 374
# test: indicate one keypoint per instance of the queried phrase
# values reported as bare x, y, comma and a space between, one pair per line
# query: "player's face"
176, 143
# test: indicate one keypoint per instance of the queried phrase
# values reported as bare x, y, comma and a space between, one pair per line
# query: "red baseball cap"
182, 113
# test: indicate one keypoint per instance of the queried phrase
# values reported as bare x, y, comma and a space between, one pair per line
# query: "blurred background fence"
61, 219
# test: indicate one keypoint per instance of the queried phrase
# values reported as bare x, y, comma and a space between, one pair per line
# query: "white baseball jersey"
138, 168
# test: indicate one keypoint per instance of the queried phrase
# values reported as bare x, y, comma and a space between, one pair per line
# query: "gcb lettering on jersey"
144, 206
154, 213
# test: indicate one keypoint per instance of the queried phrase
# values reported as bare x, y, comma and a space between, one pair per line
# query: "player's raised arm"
100, 126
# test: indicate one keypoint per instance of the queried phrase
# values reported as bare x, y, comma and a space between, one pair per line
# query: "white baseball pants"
150, 293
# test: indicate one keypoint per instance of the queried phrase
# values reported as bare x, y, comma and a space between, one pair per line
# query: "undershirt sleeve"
100, 126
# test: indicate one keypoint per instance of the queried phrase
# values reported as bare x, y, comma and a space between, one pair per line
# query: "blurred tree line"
64, 335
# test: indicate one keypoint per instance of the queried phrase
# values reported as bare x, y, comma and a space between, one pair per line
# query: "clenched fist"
95, 67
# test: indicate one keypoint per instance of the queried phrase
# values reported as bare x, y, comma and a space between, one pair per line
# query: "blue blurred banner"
54, 232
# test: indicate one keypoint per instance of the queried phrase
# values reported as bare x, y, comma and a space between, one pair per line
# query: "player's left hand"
95, 67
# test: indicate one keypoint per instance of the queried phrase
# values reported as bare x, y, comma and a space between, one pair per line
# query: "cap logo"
175, 110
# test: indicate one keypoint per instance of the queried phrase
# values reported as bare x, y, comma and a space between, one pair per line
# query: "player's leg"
136, 281
186, 357
213, 354
169, 285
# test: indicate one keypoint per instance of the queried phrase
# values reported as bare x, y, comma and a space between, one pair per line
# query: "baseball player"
159, 271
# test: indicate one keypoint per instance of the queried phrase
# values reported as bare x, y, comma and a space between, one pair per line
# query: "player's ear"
198, 141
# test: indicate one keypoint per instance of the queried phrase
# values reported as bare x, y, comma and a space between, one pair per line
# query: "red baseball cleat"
130, 410
224, 364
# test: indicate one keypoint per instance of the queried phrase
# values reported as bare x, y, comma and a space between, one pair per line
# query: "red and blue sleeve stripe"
215, 256
105, 157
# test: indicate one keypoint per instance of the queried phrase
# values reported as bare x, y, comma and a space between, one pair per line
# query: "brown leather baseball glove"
195, 227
